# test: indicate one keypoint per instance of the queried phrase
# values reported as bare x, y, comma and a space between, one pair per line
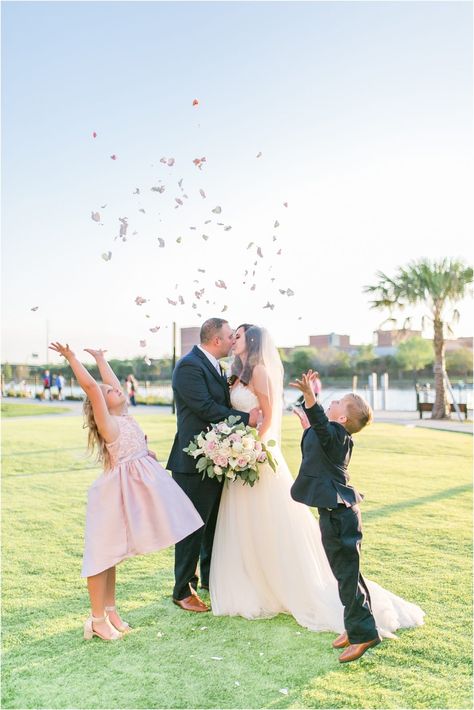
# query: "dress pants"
205, 494
341, 531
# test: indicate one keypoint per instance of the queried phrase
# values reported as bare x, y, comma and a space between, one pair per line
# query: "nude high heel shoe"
125, 628
89, 630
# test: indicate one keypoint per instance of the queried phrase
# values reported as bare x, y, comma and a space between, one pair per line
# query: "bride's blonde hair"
95, 442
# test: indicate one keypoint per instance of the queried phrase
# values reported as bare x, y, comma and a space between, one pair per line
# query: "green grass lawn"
29, 410
417, 543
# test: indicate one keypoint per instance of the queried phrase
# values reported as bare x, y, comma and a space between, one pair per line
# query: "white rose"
248, 442
217, 470
211, 436
237, 447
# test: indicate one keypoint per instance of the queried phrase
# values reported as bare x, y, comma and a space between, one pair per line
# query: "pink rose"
262, 458
242, 461
221, 461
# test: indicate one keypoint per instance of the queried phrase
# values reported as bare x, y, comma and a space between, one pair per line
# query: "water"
397, 399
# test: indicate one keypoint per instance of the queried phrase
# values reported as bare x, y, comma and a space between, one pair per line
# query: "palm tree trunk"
441, 409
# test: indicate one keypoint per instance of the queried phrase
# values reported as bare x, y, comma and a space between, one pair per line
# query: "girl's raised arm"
106, 424
108, 375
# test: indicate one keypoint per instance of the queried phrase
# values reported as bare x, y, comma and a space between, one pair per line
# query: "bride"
268, 556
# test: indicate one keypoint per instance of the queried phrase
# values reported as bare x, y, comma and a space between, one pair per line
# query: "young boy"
322, 482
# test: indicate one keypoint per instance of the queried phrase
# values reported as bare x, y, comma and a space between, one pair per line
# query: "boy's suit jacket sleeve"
191, 387
318, 420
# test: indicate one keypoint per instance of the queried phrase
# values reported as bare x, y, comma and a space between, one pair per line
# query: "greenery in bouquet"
231, 450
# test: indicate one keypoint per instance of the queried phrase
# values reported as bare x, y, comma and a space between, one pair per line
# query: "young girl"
134, 507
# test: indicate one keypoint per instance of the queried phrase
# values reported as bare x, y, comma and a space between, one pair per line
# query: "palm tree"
436, 285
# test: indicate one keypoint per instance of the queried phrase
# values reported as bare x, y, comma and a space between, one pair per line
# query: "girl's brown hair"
95, 442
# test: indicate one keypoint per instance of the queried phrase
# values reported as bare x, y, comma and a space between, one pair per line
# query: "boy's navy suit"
202, 397
323, 482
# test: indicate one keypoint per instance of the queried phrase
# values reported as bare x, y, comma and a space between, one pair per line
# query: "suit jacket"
326, 447
202, 397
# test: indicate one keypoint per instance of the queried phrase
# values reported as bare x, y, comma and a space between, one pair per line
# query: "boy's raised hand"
305, 384
95, 353
63, 350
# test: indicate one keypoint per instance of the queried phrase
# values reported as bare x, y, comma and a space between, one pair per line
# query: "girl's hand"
95, 353
63, 350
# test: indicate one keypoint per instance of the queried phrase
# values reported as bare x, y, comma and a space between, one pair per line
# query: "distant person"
47, 385
60, 385
132, 387
134, 507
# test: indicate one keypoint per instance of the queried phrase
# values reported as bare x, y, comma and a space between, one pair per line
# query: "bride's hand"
253, 417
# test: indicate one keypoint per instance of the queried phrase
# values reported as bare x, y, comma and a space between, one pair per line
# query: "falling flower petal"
217, 210
289, 292
203, 271
35, 308
252, 288
283, 691
181, 300
193, 228
143, 343
172, 303
163, 160
178, 200
158, 188
107, 255
274, 238
208, 221
250, 245
148, 362
269, 305
113, 157
142, 210
279, 252
277, 224
140, 301
137, 191
285, 204
161, 242
170, 162
216, 658
221, 284
228, 228
94, 134
202, 193
282, 290
220, 224
224, 309
102, 207
195, 102
155, 329
179, 240
259, 252
205, 237
203, 628
95, 216
259, 154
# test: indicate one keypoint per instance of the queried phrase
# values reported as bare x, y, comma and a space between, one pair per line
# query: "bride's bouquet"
231, 450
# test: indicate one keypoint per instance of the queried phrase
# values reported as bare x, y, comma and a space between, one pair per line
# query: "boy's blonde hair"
359, 413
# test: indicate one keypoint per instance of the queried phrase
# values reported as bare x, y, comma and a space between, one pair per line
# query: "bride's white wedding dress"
268, 556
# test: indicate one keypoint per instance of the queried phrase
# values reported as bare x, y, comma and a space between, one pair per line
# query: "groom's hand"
253, 417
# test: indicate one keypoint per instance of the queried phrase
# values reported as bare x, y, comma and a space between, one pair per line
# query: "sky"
361, 113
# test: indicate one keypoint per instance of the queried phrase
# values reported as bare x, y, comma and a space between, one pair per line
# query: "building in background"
189, 337
387, 341
331, 340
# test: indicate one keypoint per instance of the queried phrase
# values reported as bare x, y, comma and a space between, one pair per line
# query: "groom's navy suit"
202, 397
323, 482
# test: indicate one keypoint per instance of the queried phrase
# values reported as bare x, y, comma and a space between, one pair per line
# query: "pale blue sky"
363, 114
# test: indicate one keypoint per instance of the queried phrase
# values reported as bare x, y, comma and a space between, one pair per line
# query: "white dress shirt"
211, 359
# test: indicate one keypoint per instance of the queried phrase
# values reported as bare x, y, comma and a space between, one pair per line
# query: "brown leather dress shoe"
342, 641
356, 650
191, 603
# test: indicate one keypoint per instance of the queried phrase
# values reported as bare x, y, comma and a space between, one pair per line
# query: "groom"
202, 397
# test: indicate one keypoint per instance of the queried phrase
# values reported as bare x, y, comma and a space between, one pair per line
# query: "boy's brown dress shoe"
342, 641
191, 603
356, 650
